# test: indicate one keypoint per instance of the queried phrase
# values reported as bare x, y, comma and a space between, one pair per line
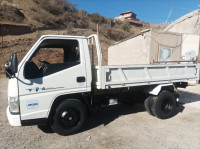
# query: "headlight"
14, 105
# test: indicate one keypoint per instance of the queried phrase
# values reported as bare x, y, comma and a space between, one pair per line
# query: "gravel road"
114, 127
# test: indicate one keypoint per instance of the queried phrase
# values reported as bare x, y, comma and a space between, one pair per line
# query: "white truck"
57, 84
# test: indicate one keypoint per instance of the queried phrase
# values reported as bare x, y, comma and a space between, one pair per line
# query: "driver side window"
52, 55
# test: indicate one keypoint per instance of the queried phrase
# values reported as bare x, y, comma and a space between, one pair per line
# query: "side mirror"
11, 66
14, 63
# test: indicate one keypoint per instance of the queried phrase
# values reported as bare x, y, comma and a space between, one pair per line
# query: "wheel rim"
166, 105
69, 118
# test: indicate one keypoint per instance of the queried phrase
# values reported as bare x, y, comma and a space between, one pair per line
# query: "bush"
54, 13
116, 34
126, 26
70, 27
92, 26
96, 18
82, 13
118, 22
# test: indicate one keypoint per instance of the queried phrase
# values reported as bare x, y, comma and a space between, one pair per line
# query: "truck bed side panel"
136, 75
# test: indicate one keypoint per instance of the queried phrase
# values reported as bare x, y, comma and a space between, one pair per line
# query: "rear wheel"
69, 117
148, 104
164, 105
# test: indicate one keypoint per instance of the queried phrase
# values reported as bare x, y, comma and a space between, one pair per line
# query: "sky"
152, 11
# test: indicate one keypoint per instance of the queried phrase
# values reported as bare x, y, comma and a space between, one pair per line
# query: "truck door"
55, 67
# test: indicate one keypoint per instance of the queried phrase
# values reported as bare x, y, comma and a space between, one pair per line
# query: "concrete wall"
190, 47
144, 49
132, 51
188, 24
165, 39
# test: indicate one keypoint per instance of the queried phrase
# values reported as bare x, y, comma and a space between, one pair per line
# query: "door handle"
80, 79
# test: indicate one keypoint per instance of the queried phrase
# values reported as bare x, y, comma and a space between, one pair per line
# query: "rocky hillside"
57, 14
37, 13
22, 22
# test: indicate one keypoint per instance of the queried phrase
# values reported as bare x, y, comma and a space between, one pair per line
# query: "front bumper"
14, 120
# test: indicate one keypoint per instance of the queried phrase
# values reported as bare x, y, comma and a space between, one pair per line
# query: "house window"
165, 54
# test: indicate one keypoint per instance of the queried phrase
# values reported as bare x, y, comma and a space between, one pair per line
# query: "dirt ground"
114, 127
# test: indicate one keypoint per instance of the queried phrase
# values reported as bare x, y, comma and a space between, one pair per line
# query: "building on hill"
127, 15
137, 23
130, 17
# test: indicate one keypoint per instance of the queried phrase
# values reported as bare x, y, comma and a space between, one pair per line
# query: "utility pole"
98, 30
198, 24
2, 32
169, 15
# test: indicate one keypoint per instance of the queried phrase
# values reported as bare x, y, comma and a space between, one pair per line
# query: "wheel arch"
155, 90
58, 100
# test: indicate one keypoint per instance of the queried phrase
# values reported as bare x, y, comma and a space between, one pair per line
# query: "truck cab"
55, 66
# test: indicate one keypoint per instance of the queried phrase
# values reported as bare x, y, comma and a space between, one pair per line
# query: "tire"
164, 105
69, 117
148, 104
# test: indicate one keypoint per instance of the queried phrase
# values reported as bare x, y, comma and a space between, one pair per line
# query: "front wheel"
69, 117
164, 105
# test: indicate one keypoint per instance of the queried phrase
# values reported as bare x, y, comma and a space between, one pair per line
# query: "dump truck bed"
138, 75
